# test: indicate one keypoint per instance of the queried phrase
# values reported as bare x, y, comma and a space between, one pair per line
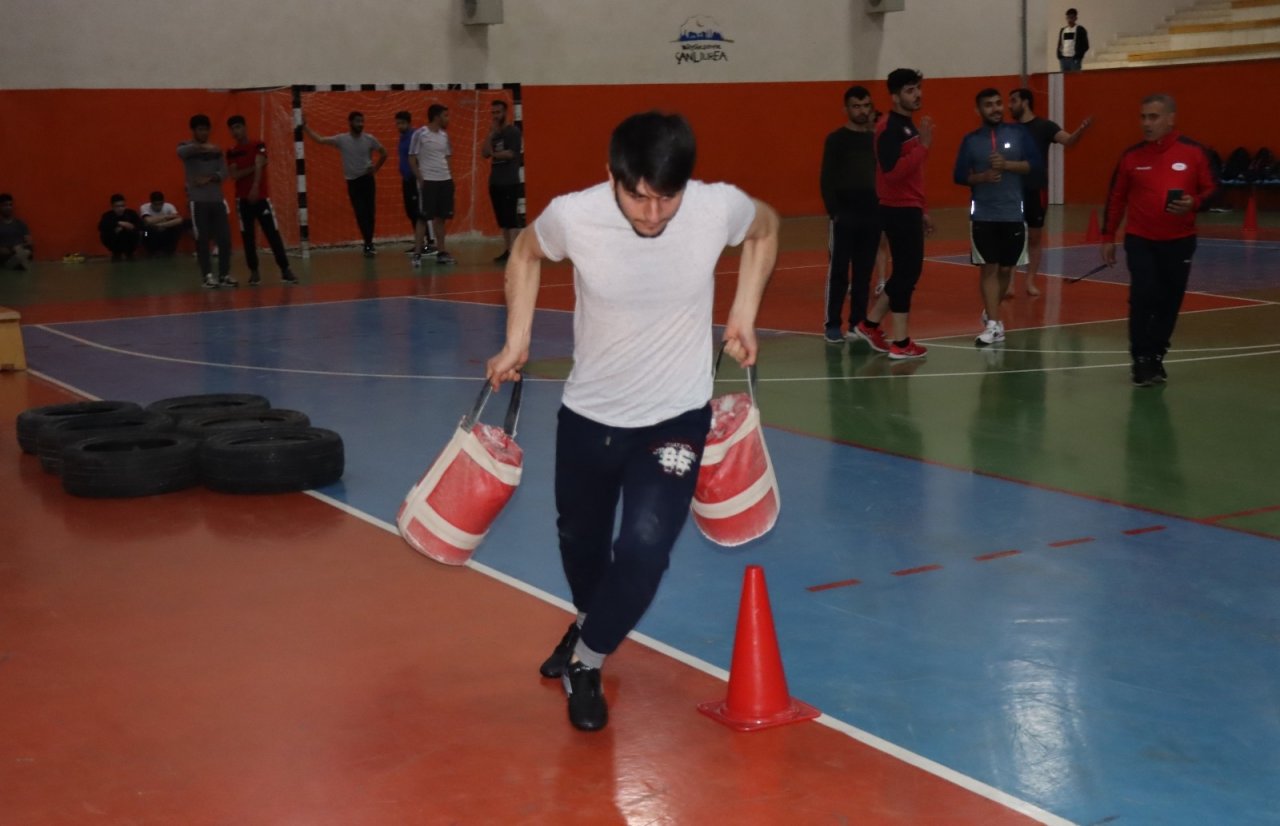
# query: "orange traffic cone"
1093, 235
758, 695
1250, 232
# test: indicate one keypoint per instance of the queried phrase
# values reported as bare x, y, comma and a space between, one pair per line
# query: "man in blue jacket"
994, 161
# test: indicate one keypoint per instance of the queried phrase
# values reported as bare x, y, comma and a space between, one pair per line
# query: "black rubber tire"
55, 436
202, 427
30, 421
271, 460
137, 464
186, 407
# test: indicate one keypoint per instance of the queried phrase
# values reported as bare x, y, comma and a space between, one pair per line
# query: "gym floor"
1019, 589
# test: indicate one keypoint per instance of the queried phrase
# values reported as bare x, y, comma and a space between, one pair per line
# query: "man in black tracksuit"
848, 184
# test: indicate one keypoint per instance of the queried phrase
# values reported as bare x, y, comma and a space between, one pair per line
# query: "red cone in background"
758, 695
1251, 219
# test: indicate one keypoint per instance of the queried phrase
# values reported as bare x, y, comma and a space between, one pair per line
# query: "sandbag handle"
513, 408
751, 374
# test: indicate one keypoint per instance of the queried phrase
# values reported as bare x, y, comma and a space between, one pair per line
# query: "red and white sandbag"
449, 511
737, 498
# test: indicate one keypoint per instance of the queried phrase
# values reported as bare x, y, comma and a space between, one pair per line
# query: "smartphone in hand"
1171, 196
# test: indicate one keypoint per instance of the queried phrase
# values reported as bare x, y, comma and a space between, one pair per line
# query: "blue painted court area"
1221, 266
1105, 676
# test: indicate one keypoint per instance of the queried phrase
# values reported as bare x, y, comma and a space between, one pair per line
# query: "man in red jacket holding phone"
1161, 183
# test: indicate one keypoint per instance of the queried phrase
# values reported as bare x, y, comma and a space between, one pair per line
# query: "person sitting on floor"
120, 228
15, 238
162, 225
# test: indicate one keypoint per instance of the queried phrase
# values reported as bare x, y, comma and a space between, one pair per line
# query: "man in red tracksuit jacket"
901, 150
1161, 183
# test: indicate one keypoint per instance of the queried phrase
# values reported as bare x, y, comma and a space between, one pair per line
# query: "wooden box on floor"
12, 356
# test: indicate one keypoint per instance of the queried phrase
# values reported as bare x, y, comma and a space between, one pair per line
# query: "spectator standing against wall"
16, 248
504, 146
429, 151
358, 149
1160, 184
1073, 43
205, 171
409, 186
848, 184
1035, 198
247, 161
120, 229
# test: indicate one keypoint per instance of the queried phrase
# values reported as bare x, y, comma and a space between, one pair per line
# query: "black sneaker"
443, 257
832, 335
555, 665
228, 281
369, 251
210, 281
1144, 372
431, 249
254, 278
1161, 376
288, 277
587, 709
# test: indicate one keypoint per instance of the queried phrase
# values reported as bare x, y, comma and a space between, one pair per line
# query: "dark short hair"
198, 121
404, 116
156, 196
6, 198
435, 109
654, 147
900, 78
1028, 96
351, 116
1073, 12
499, 102
856, 93
116, 197
234, 119
988, 92
1170, 105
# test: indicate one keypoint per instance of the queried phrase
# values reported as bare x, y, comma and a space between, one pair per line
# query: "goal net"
308, 190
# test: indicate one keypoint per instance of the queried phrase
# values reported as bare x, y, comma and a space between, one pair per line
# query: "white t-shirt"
642, 344
433, 151
165, 211
1069, 41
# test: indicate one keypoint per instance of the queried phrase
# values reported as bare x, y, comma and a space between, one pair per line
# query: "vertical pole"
300, 169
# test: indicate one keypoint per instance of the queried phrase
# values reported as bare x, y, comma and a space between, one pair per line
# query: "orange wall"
67, 150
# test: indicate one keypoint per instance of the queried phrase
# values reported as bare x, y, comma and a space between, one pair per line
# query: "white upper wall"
249, 43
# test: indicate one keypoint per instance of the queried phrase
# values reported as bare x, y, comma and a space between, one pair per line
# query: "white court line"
473, 377
878, 743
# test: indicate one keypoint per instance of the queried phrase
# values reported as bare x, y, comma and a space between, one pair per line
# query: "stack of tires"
233, 443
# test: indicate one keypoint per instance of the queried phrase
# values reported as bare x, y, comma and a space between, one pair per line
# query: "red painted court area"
206, 659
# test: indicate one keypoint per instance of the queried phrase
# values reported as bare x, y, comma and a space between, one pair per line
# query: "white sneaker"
210, 281
992, 334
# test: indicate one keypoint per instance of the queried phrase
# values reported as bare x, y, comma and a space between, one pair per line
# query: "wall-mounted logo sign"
701, 38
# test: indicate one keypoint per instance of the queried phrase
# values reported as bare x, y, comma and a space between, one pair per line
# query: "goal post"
310, 195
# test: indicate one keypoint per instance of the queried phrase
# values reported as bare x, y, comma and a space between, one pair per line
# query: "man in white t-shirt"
429, 152
162, 225
635, 413
1073, 44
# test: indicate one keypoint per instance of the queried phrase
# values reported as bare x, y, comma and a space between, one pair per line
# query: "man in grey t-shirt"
360, 169
504, 147
206, 169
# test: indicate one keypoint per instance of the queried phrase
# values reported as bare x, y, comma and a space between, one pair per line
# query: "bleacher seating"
1209, 31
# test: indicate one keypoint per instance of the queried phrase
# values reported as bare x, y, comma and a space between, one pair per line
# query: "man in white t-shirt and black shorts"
636, 410
429, 152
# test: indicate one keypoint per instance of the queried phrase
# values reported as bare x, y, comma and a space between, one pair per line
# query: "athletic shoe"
587, 708
369, 251
431, 249
1144, 372
254, 278
1161, 376
210, 283
443, 257
228, 281
555, 665
910, 350
416, 261
288, 277
993, 334
832, 336
873, 336
502, 259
